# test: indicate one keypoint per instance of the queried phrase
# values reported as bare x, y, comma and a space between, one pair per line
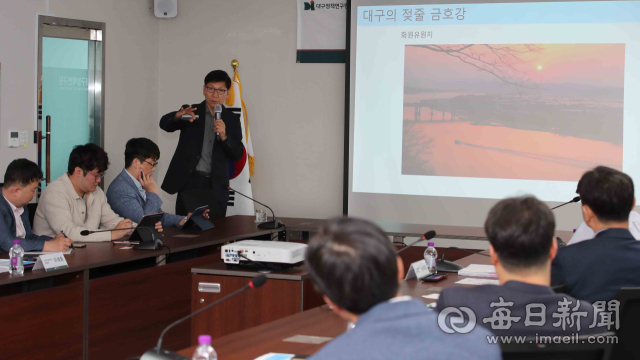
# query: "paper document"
479, 270
432, 296
472, 281
4, 265
48, 252
307, 339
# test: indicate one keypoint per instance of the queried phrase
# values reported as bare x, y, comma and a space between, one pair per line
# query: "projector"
263, 251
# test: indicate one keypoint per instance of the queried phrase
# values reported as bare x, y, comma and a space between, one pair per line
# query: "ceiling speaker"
165, 8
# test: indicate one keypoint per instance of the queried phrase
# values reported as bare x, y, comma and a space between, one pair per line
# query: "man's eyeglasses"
220, 92
97, 176
153, 164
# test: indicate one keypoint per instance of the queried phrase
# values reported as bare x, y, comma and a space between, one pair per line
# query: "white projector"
264, 251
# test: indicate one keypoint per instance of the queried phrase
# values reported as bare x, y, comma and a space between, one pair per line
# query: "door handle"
209, 287
48, 159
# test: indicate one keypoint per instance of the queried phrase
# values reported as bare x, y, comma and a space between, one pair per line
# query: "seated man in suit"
520, 232
20, 183
596, 269
584, 232
355, 268
134, 192
74, 202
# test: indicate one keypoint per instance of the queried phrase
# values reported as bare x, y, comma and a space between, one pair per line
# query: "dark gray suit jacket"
596, 269
479, 300
185, 159
406, 330
31, 242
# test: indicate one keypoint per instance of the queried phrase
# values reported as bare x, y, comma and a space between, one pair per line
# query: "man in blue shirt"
20, 183
134, 192
355, 268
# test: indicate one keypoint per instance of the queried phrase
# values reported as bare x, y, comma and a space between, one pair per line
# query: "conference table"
320, 321
113, 302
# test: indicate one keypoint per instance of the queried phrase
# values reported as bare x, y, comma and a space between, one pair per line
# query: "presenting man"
201, 160
20, 183
74, 202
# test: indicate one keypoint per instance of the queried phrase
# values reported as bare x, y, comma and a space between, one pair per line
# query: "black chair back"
32, 207
581, 349
559, 289
628, 333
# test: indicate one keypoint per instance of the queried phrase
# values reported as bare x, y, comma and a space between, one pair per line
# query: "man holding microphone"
209, 139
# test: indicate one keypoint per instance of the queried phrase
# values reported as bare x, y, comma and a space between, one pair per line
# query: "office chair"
32, 207
628, 346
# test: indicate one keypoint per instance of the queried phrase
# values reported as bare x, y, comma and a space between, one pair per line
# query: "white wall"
153, 66
296, 111
18, 76
130, 84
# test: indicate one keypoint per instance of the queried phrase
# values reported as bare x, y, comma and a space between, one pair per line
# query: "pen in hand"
65, 235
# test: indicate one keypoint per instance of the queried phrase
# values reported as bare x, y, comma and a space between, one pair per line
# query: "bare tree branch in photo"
499, 61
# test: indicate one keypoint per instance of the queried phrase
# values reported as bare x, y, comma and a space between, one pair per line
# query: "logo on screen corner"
310, 5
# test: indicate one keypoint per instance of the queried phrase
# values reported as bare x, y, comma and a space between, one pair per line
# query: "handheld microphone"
269, 224
158, 354
218, 115
427, 236
574, 200
154, 244
187, 117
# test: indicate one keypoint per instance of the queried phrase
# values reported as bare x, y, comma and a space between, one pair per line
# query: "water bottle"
431, 258
16, 253
204, 351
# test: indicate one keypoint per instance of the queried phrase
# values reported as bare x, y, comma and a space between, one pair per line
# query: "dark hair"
608, 192
352, 262
218, 76
88, 157
141, 149
21, 172
521, 232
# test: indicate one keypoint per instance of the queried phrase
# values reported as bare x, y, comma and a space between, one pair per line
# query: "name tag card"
417, 270
50, 262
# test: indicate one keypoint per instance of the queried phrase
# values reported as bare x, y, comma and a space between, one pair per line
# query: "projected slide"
494, 100
512, 111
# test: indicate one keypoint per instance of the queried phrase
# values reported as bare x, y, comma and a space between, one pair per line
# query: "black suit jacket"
187, 154
596, 269
479, 299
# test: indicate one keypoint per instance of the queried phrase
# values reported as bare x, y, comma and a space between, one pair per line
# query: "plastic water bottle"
431, 258
16, 253
204, 351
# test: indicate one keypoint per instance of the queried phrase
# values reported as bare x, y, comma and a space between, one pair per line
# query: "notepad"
275, 356
479, 271
5, 263
48, 252
472, 281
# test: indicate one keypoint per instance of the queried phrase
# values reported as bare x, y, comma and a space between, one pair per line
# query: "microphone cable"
166, 257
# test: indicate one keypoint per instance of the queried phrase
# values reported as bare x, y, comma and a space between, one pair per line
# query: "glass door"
70, 92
